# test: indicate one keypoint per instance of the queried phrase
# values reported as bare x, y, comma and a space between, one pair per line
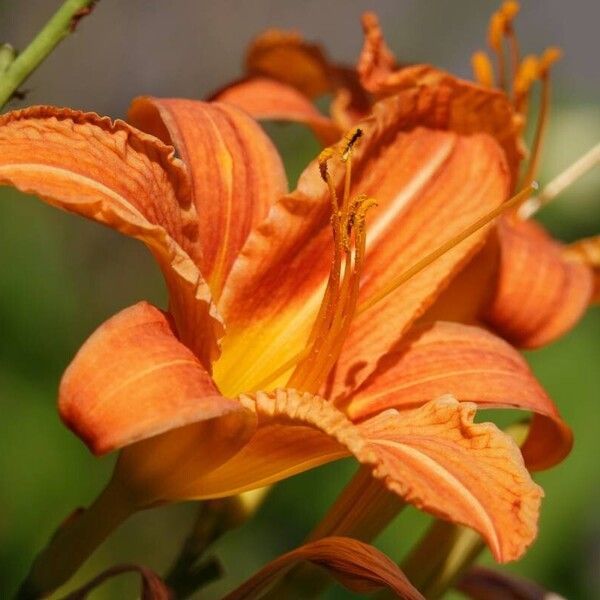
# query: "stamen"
396, 282
340, 298
483, 71
550, 56
571, 174
501, 26
447, 246
527, 74
510, 10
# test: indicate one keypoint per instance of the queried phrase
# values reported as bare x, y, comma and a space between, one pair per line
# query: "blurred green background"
61, 276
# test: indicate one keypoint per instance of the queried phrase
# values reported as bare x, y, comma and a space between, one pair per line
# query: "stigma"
338, 307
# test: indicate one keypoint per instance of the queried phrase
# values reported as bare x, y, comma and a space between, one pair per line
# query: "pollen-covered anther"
550, 56
349, 143
482, 69
499, 29
348, 221
324, 158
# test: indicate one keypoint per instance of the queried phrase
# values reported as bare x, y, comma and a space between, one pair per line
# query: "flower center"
341, 293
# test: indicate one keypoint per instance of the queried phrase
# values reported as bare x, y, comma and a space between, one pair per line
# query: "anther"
324, 157
350, 141
482, 69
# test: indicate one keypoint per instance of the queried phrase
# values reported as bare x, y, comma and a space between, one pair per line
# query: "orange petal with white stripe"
540, 295
356, 565
429, 184
472, 365
133, 380
434, 457
270, 100
235, 170
120, 177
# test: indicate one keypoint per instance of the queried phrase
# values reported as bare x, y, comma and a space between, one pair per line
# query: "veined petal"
236, 172
430, 184
133, 379
358, 566
434, 457
469, 473
472, 365
540, 295
112, 173
287, 58
473, 108
270, 100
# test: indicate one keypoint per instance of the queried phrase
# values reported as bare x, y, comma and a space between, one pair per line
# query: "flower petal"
472, 365
430, 184
270, 100
236, 172
358, 566
539, 294
470, 473
434, 457
473, 108
133, 379
111, 173
287, 58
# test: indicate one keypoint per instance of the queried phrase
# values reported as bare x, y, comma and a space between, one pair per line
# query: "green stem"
60, 25
75, 540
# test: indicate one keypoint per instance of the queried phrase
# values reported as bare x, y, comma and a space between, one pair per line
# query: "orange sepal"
286, 57
116, 175
428, 456
472, 365
235, 170
540, 295
356, 565
429, 185
133, 379
270, 100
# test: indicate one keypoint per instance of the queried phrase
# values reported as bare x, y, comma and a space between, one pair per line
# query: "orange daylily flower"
255, 272
528, 304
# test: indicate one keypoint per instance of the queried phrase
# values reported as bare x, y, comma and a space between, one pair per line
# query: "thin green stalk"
60, 25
